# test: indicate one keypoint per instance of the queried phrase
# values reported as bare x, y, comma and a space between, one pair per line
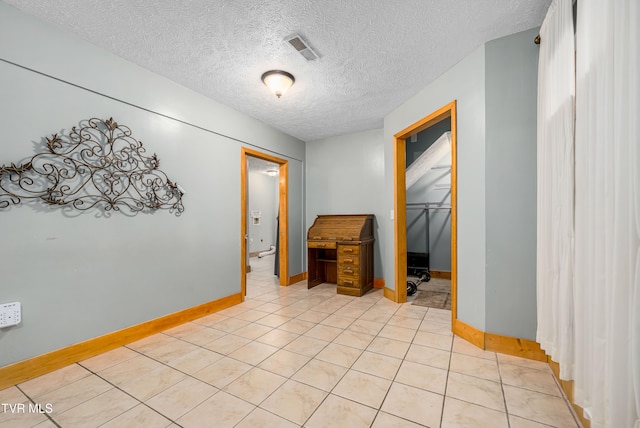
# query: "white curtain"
554, 274
607, 213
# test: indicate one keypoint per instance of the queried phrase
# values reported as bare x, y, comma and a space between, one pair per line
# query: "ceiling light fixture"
278, 81
272, 172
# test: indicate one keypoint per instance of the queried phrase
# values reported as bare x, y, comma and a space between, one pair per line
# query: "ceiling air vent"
302, 47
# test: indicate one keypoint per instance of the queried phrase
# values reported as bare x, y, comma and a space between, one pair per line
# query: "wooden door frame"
400, 201
283, 219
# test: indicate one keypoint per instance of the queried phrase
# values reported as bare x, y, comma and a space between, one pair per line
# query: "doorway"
400, 201
282, 223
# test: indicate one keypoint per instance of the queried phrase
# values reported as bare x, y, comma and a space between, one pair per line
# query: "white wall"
465, 83
345, 175
81, 276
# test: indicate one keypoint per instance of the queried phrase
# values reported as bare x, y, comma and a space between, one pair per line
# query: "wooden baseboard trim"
515, 346
378, 282
440, 274
468, 333
390, 294
297, 278
567, 387
33, 367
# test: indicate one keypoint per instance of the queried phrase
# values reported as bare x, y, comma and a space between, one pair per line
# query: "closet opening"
425, 211
264, 235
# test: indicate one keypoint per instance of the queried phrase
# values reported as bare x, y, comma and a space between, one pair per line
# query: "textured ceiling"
375, 54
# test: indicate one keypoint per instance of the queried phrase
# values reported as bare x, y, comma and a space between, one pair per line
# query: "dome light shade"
278, 81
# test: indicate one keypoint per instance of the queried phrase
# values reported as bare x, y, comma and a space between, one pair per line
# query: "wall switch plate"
10, 314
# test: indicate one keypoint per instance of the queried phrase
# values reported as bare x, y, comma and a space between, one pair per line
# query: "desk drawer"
321, 244
348, 250
349, 260
348, 272
349, 282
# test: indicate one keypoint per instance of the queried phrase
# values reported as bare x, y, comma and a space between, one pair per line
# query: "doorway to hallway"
280, 169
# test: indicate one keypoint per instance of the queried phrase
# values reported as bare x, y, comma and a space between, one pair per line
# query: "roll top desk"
340, 251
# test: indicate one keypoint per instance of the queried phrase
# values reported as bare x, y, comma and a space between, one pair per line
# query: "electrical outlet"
10, 314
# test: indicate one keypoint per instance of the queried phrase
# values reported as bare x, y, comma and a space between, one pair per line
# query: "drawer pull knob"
322, 245
348, 281
348, 260
349, 271
348, 250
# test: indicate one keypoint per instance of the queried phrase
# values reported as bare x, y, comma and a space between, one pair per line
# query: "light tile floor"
291, 357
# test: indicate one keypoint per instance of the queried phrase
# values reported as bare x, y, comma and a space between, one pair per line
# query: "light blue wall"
81, 276
511, 94
297, 230
345, 175
465, 82
495, 89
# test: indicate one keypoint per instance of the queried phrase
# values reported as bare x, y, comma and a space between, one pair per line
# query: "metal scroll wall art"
99, 164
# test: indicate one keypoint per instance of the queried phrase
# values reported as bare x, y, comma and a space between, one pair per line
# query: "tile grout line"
218, 389
347, 371
398, 370
566, 400
125, 392
33, 401
344, 329
446, 384
504, 396
310, 359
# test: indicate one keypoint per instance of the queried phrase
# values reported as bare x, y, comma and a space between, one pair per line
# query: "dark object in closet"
340, 250
417, 265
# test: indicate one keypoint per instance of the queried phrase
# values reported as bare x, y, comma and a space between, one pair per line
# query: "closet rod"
428, 208
425, 203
